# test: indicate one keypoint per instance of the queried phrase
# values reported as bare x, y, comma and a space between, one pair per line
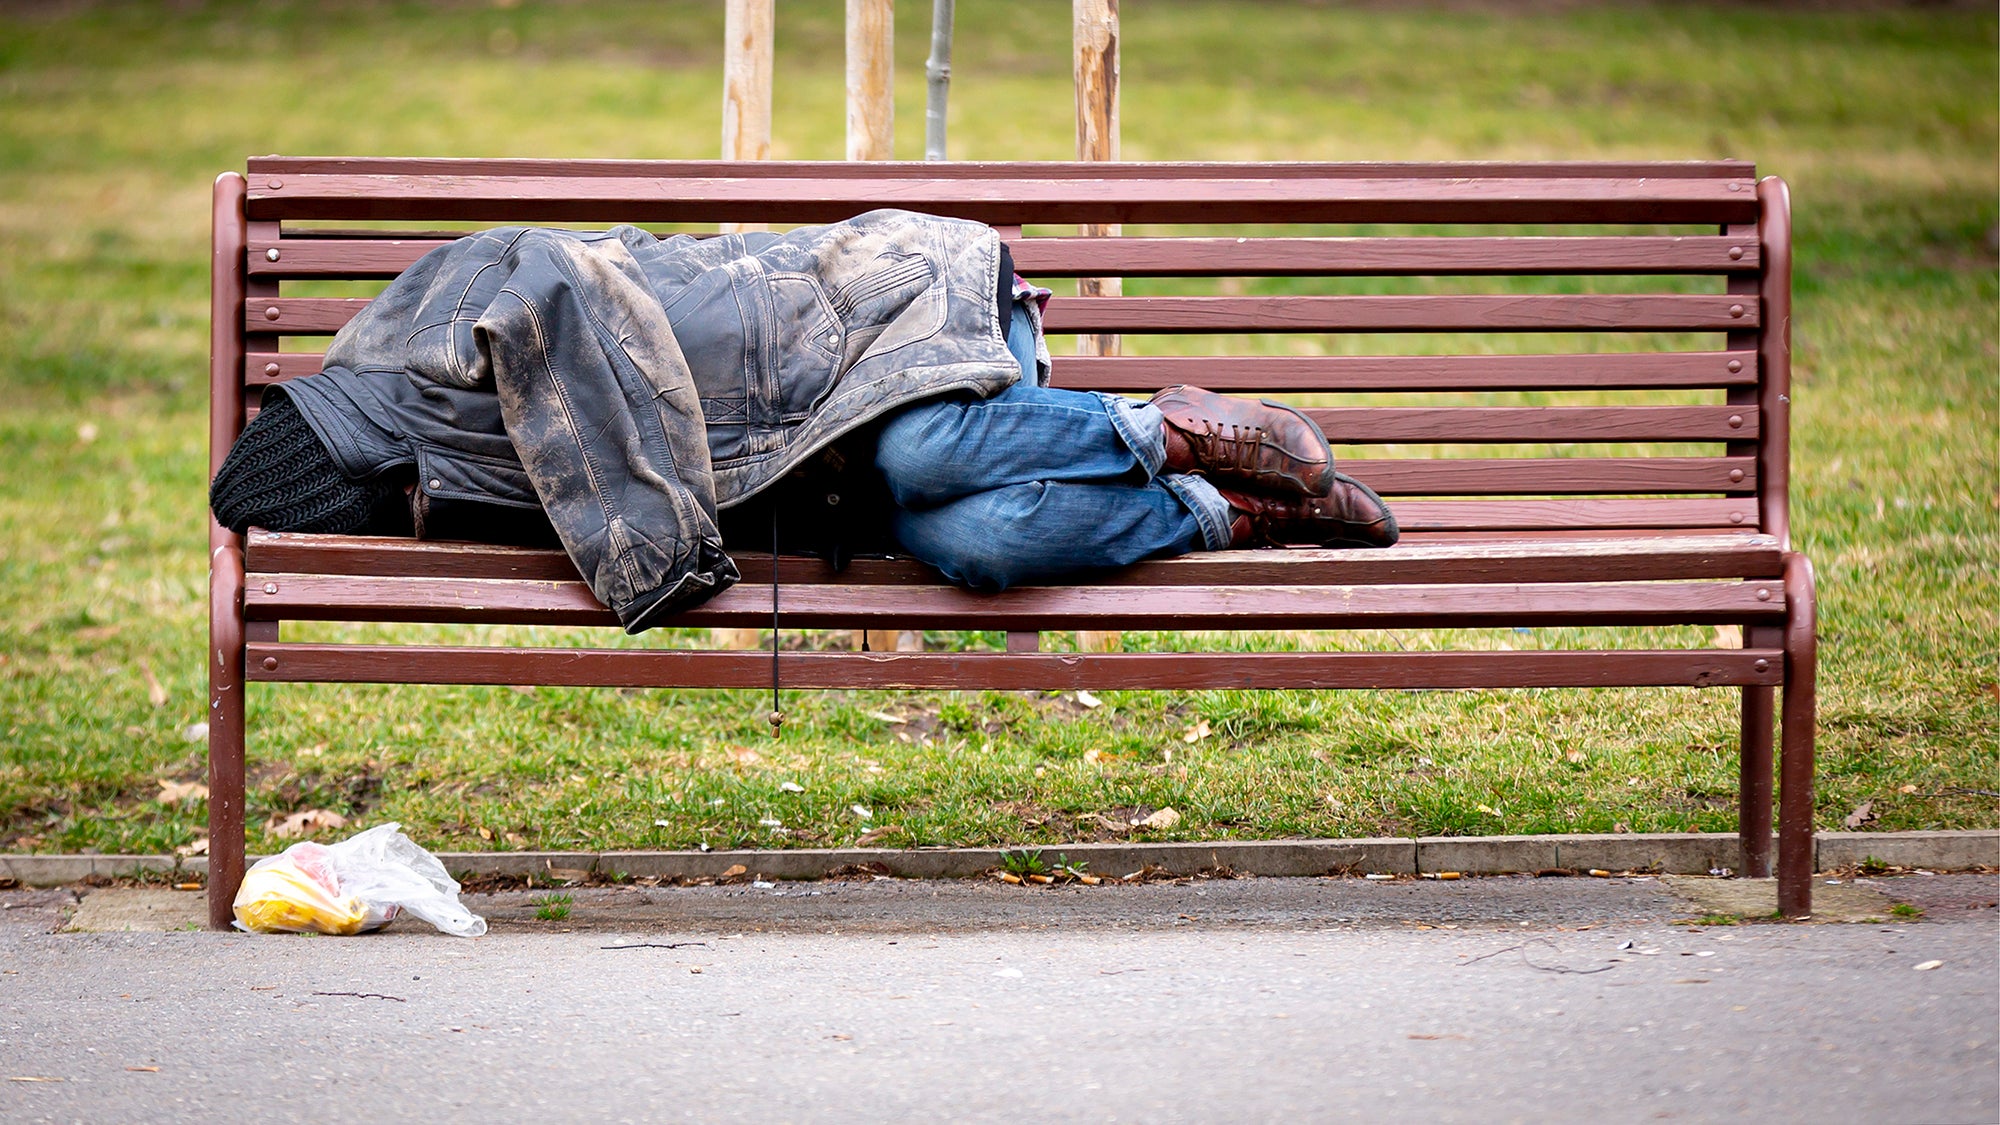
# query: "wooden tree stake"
748, 31
1096, 72
748, 28
871, 79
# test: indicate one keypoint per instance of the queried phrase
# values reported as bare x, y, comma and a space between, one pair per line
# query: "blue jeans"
1036, 484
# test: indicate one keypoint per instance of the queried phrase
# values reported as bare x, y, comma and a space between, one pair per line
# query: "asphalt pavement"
1482, 1000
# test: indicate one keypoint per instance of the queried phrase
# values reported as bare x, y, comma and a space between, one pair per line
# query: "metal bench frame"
1610, 540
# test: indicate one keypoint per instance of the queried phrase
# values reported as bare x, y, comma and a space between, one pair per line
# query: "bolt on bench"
1672, 282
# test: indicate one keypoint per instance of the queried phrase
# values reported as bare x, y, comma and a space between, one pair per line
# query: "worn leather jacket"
631, 386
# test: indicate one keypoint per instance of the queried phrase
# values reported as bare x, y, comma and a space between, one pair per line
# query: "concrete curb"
1666, 853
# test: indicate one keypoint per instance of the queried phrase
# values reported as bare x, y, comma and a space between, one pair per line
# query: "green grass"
114, 118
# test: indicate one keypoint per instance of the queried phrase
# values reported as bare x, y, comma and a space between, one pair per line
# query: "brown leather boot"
1244, 442
1351, 515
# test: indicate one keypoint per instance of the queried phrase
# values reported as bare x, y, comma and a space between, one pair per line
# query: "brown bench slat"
1595, 312
413, 664
1554, 476
1382, 425
1524, 515
1279, 374
508, 601
314, 315
986, 169
1561, 371
1382, 257
1456, 312
1538, 560
1184, 257
1002, 201
359, 259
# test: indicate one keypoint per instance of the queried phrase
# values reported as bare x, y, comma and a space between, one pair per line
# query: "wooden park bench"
1639, 477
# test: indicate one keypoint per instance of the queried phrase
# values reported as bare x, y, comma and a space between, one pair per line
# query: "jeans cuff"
1211, 511
1141, 427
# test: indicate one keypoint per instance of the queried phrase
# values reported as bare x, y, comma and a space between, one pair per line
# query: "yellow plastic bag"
359, 884
293, 892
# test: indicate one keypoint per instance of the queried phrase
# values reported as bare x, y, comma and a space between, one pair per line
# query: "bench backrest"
1499, 349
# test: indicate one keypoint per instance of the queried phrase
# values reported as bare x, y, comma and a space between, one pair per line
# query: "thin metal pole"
938, 71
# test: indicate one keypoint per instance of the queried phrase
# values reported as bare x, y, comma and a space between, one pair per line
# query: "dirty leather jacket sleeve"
605, 418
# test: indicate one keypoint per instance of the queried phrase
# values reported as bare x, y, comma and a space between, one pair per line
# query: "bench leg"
1755, 786
1795, 776
225, 727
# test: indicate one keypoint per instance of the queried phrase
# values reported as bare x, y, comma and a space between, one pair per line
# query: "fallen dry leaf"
304, 822
1864, 813
1197, 732
198, 847
874, 834
1092, 756
1907, 789
155, 694
734, 870
1729, 636
485, 833
1161, 820
885, 717
1088, 700
742, 755
174, 792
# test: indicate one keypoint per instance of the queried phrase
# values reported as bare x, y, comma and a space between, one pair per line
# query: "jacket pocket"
878, 295
806, 343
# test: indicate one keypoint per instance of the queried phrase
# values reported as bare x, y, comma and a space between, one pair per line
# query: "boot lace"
1237, 449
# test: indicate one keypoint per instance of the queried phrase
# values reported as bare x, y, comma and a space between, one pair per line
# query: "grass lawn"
114, 119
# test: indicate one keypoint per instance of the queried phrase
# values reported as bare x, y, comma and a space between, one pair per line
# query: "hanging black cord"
777, 715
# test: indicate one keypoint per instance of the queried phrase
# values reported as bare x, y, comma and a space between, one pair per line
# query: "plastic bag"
362, 883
